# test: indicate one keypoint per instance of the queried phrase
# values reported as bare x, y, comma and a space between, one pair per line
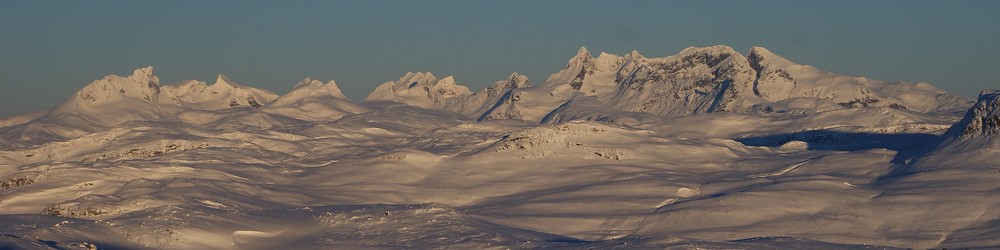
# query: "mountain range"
708, 148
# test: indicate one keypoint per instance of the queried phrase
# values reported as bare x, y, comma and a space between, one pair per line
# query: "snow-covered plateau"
706, 149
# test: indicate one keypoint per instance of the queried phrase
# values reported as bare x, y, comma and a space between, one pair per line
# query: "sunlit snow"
704, 149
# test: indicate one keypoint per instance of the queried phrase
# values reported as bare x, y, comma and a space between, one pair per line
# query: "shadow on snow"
907, 145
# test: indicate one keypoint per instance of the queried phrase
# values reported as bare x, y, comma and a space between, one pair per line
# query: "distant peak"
760, 50
582, 57
633, 54
760, 56
517, 80
308, 82
145, 75
450, 80
583, 52
762, 53
223, 81
712, 50
143, 72
417, 77
313, 87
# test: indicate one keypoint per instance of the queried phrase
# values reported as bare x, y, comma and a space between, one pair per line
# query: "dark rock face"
983, 119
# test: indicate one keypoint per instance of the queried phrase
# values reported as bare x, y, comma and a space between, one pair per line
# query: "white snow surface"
706, 149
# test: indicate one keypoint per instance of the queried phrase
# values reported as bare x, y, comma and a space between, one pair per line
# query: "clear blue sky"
50, 49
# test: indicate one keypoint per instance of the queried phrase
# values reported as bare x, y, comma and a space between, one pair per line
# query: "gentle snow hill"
312, 100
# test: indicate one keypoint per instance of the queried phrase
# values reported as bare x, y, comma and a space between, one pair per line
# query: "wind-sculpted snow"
705, 149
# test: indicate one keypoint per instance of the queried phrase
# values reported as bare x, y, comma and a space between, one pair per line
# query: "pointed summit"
583, 52
633, 55
582, 57
223, 82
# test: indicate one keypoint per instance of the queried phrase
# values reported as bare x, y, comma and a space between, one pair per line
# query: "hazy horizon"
52, 49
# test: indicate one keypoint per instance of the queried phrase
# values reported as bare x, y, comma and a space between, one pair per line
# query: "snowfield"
707, 149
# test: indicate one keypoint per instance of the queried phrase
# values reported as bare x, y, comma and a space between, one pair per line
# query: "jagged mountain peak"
141, 84
414, 79
514, 81
518, 80
112, 100
418, 76
309, 83
447, 81
711, 56
982, 120
144, 74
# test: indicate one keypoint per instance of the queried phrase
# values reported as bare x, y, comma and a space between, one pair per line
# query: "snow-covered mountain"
419, 89
425, 91
224, 93
982, 121
972, 143
112, 100
713, 79
313, 100
704, 149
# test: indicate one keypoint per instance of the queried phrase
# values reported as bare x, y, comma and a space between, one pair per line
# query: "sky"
51, 49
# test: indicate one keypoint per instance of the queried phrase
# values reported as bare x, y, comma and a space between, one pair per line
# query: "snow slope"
313, 100
753, 152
